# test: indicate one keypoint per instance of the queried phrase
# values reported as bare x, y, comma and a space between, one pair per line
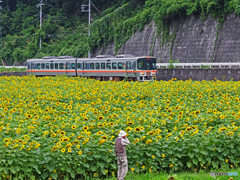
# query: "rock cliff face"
192, 40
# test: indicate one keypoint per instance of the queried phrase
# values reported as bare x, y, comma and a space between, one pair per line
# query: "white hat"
122, 133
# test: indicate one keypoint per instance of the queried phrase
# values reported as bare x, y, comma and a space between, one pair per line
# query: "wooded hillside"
65, 27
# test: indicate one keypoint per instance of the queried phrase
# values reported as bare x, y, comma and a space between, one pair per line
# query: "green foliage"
64, 32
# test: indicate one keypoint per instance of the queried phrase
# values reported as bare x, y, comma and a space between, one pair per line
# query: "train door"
84, 68
67, 68
134, 68
129, 69
32, 66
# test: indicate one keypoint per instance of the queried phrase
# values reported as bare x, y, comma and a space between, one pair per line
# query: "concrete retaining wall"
195, 41
199, 74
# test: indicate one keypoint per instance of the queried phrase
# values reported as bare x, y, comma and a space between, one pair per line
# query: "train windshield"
146, 63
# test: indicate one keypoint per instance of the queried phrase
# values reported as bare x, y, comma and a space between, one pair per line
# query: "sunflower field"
65, 128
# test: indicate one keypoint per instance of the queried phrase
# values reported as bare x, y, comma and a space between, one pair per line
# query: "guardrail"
14, 67
199, 65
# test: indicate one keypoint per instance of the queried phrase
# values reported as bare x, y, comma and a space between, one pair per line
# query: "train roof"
98, 58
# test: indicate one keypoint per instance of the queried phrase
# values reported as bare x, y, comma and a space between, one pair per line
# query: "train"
102, 67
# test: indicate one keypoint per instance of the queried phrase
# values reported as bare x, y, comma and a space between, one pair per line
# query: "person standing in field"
120, 151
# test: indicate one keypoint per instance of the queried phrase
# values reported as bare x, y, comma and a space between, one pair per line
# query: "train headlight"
142, 73
153, 73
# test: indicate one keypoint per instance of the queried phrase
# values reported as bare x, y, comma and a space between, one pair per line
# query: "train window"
97, 65
108, 65
154, 65
47, 65
56, 65
129, 65
79, 65
51, 65
120, 65
68, 66
73, 65
43, 66
114, 65
102, 65
35, 66
91, 65
148, 65
38, 66
87, 66
140, 64
61, 66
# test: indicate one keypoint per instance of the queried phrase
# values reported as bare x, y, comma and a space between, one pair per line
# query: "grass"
3, 69
202, 175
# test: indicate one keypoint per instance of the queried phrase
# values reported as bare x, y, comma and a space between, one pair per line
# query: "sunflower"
54, 148
100, 132
151, 133
65, 139
53, 135
171, 165
100, 117
86, 140
62, 132
80, 137
68, 145
101, 141
230, 134
74, 127
136, 140
104, 137
111, 124
79, 152
29, 116
99, 125
222, 116
6, 140
137, 129
69, 150
75, 142
128, 129
188, 129
130, 123
63, 150
148, 141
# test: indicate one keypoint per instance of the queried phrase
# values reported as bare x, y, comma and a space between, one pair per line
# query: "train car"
103, 67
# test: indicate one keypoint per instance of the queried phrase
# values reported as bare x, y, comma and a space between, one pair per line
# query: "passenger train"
103, 67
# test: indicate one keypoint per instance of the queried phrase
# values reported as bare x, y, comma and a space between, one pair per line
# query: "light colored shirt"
125, 141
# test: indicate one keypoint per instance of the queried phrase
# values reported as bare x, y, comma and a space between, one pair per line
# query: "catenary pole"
40, 15
89, 20
89, 23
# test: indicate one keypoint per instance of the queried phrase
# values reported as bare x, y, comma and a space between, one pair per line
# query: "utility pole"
40, 15
89, 19
1, 32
